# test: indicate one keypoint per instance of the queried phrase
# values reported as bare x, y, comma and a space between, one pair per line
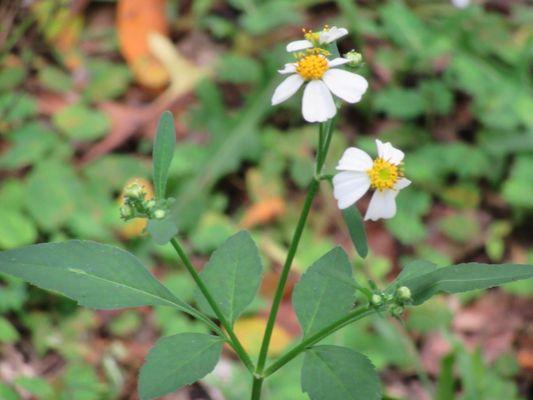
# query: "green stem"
353, 316
256, 387
234, 341
324, 140
278, 296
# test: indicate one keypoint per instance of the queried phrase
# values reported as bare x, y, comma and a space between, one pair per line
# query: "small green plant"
325, 300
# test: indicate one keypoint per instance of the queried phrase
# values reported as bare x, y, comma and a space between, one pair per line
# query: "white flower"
461, 3
360, 173
315, 39
323, 79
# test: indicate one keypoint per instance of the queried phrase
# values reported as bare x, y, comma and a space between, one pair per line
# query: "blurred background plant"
82, 84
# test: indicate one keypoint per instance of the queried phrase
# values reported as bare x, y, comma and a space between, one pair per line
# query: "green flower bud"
160, 214
126, 212
396, 310
356, 59
376, 300
150, 204
134, 191
403, 293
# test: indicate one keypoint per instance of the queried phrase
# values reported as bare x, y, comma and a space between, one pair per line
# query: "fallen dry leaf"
250, 333
264, 211
136, 21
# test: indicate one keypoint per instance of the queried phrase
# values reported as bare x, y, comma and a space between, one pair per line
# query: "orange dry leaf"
250, 332
136, 227
136, 20
263, 212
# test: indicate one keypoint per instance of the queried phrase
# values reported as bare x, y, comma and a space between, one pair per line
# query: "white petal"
332, 34
299, 45
346, 85
287, 88
382, 205
349, 186
354, 159
402, 184
317, 103
461, 3
338, 61
290, 68
389, 153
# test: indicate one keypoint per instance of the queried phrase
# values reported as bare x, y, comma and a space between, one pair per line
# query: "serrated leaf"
333, 373
95, 275
356, 227
425, 281
165, 142
176, 361
232, 275
325, 293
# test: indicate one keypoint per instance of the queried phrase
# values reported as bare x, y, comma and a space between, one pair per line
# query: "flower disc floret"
312, 67
384, 174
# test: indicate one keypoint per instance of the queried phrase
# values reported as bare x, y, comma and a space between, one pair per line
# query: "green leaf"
325, 293
107, 80
355, 225
165, 141
15, 107
53, 189
38, 387
95, 275
238, 69
162, 230
55, 79
425, 281
176, 361
8, 333
333, 373
232, 275
77, 121
11, 77
30, 143
15, 229
6, 393
446, 383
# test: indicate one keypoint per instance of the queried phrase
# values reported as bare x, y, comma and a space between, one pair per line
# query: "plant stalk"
324, 140
234, 341
353, 316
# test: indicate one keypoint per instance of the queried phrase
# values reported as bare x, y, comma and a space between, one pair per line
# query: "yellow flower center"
383, 175
312, 66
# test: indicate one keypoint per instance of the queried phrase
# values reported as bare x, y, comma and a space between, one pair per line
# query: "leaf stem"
233, 340
353, 316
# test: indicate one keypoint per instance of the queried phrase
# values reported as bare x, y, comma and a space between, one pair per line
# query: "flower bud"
376, 300
150, 204
396, 310
159, 214
134, 190
403, 293
356, 59
125, 211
